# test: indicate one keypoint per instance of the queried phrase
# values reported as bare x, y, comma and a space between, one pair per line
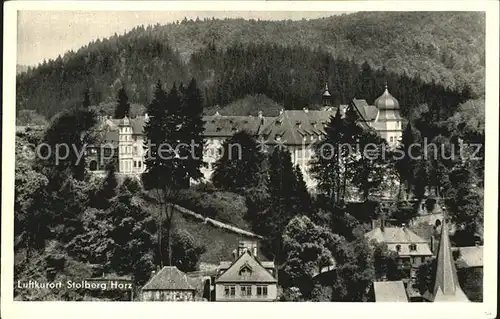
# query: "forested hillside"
288, 61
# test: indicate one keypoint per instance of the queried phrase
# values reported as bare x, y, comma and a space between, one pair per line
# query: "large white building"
295, 129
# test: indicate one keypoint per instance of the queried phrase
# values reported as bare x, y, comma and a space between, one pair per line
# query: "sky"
47, 34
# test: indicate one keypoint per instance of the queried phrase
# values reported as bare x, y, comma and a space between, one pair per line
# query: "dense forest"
230, 59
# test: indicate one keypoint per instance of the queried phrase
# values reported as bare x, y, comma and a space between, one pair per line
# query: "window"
135, 164
229, 291
398, 248
261, 291
140, 164
413, 247
246, 291
392, 139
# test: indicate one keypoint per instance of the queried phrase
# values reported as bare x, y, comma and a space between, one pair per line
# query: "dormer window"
398, 248
245, 271
413, 247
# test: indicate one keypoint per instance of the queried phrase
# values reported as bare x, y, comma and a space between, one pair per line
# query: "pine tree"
238, 168
303, 202
132, 235
122, 104
368, 169
326, 166
192, 129
283, 204
405, 164
170, 165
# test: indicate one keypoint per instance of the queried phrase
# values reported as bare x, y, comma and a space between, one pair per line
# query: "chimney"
146, 117
403, 225
260, 114
305, 109
282, 111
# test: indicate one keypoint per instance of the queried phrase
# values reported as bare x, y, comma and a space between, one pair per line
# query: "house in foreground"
169, 284
389, 291
246, 278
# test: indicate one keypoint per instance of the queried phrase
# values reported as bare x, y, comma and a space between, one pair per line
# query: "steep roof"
223, 126
367, 112
397, 235
389, 291
291, 126
402, 237
446, 286
169, 278
246, 261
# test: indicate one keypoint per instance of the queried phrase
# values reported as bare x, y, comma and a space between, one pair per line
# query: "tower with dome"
388, 120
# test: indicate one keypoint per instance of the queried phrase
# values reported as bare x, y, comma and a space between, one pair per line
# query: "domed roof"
386, 101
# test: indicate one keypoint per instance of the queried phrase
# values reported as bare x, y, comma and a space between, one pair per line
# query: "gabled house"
169, 284
412, 250
246, 279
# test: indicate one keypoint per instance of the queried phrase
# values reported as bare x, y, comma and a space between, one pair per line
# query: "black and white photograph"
255, 155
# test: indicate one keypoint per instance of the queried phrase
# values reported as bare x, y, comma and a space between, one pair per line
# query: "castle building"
297, 130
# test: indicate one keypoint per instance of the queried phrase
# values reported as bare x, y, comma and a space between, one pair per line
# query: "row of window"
393, 139
137, 164
128, 149
412, 247
245, 291
127, 165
